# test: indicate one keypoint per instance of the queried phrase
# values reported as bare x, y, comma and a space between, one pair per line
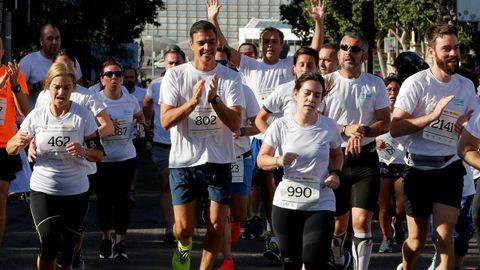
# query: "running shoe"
347, 259
247, 232
227, 264
169, 238
272, 251
386, 246
119, 253
181, 258
106, 248
257, 227
78, 263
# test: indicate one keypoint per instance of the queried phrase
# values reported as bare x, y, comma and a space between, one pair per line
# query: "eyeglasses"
222, 62
110, 74
353, 48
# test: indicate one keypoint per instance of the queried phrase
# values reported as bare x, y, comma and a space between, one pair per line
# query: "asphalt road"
144, 240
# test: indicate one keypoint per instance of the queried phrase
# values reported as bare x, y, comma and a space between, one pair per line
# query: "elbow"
165, 124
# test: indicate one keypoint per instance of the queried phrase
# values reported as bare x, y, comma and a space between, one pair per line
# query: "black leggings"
112, 186
304, 237
59, 223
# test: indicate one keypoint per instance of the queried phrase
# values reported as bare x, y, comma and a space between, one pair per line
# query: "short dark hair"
331, 45
42, 29
255, 50
272, 29
202, 26
308, 51
390, 79
174, 49
67, 53
111, 62
225, 50
309, 76
438, 30
131, 68
358, 36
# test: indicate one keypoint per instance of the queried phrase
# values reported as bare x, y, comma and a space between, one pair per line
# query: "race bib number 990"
203, 122
442, 129
300, 193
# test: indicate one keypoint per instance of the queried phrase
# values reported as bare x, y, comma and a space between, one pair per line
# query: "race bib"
391, 151
122, 132
52, 140
237, 170
264, 93
302, 193
3, 109
203, 122
442, 129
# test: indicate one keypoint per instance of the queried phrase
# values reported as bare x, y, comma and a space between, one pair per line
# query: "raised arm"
317, 14
213, 9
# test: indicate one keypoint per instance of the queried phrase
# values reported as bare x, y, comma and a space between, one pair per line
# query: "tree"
406, 20
83, 23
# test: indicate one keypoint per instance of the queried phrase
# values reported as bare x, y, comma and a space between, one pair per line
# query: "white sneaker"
400, 266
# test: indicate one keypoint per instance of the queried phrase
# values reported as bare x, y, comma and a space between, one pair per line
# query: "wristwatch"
16, 89
215, 100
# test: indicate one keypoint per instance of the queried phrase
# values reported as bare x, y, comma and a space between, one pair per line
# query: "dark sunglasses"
110, 74
353, 48
222, 62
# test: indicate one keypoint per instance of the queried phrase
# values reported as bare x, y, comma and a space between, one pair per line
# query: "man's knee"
415, 244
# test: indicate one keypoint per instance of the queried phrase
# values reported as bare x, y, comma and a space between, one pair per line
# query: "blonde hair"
56, 70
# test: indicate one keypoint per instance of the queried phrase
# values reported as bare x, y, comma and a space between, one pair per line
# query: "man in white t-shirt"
263, 76
201, 105
359, 103
35, 65
161, 144
430, 110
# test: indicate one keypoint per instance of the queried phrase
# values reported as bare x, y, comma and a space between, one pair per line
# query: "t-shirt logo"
366, 94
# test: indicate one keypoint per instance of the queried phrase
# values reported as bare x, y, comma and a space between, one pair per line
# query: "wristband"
367, 130
337, 172
16, 89
242, 131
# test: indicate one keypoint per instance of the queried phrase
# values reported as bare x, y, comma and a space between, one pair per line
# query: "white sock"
337, 248
362, 249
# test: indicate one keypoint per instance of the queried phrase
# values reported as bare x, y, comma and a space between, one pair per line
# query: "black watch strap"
336, 171
16, 89
214, 100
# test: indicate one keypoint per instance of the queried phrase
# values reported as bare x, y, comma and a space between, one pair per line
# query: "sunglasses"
110, 74
353, 48
222, 62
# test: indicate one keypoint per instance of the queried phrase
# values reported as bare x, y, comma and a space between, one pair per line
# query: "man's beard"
129, 85
447, 66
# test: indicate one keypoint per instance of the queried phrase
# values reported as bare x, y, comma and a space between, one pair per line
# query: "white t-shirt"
201, 137
418, 96
160, 135
83, 97
119, 146
281, 102
242, 144
312, 144
355, 101
263, 78
139, 93
34, 67
55, 172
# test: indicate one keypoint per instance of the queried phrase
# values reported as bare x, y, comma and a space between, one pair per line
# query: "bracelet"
84, 152
337, 172
242, 131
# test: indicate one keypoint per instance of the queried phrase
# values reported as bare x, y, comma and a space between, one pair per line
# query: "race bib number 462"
53, 140
442, 129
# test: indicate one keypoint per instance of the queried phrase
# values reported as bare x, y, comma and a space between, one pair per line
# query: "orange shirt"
7, 107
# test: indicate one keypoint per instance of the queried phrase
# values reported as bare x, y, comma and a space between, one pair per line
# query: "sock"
362, 249
274, 239
337, 248
187, 247
269, 227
